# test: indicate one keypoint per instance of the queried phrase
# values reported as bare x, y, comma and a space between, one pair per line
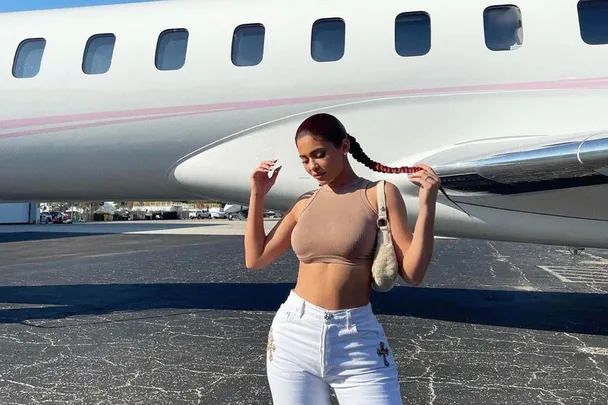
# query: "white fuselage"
137, 132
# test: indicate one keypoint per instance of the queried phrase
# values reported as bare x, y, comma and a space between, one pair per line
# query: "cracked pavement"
177, 319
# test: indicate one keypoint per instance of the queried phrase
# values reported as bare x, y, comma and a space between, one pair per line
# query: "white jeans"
311, 348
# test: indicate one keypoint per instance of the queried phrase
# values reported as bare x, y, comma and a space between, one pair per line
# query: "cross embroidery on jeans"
270, 347
383, 352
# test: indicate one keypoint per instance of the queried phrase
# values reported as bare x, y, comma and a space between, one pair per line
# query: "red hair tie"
409, 170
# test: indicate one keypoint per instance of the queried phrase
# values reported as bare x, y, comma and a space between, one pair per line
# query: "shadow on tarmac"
549, 311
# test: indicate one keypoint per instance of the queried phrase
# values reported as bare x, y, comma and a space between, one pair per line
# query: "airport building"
19, 213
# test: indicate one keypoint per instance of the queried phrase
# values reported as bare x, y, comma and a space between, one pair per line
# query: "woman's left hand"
429, 184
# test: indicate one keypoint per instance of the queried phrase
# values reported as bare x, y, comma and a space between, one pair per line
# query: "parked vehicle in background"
46, 218
272, 214
67, 217
200, 214
53, 217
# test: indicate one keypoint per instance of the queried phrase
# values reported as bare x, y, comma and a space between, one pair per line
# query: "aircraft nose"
223, 171
218, 173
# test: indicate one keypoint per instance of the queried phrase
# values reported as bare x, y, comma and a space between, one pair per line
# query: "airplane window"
171, 49
28, 58
248, 45
98, 54
503, 28
593, 21
328, 38
413, 34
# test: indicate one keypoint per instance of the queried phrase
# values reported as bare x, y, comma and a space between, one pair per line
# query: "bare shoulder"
393, 196
397, 216
394, 199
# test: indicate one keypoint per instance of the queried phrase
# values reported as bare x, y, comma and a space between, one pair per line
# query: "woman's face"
321, 159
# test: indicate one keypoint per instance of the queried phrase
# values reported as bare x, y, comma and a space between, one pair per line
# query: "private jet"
182, 99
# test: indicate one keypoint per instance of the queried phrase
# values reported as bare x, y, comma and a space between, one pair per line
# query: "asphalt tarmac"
166, 313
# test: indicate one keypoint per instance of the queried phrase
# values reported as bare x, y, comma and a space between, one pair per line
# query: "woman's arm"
255, 236
262, 249
414, 250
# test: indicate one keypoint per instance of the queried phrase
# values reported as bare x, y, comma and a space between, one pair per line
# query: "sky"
21, 5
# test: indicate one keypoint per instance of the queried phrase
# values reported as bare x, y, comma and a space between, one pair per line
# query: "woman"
325, 334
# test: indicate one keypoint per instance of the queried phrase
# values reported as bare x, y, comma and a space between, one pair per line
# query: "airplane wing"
554, 175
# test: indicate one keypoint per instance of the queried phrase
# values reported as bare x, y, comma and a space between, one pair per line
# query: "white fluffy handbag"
384, 268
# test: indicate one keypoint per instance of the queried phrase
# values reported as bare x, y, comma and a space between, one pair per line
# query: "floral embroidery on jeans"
270, 347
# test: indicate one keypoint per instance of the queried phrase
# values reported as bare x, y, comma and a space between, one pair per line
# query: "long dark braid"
361, 157
328, 127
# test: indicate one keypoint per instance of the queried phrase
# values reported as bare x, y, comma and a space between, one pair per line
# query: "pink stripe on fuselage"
160, 112
91, 125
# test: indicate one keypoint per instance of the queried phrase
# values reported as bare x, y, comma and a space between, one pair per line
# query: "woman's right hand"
260, 182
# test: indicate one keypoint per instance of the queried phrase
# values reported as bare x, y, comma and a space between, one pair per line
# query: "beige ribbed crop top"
337, 226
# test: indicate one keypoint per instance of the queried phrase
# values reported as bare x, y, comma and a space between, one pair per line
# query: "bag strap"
382, 220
